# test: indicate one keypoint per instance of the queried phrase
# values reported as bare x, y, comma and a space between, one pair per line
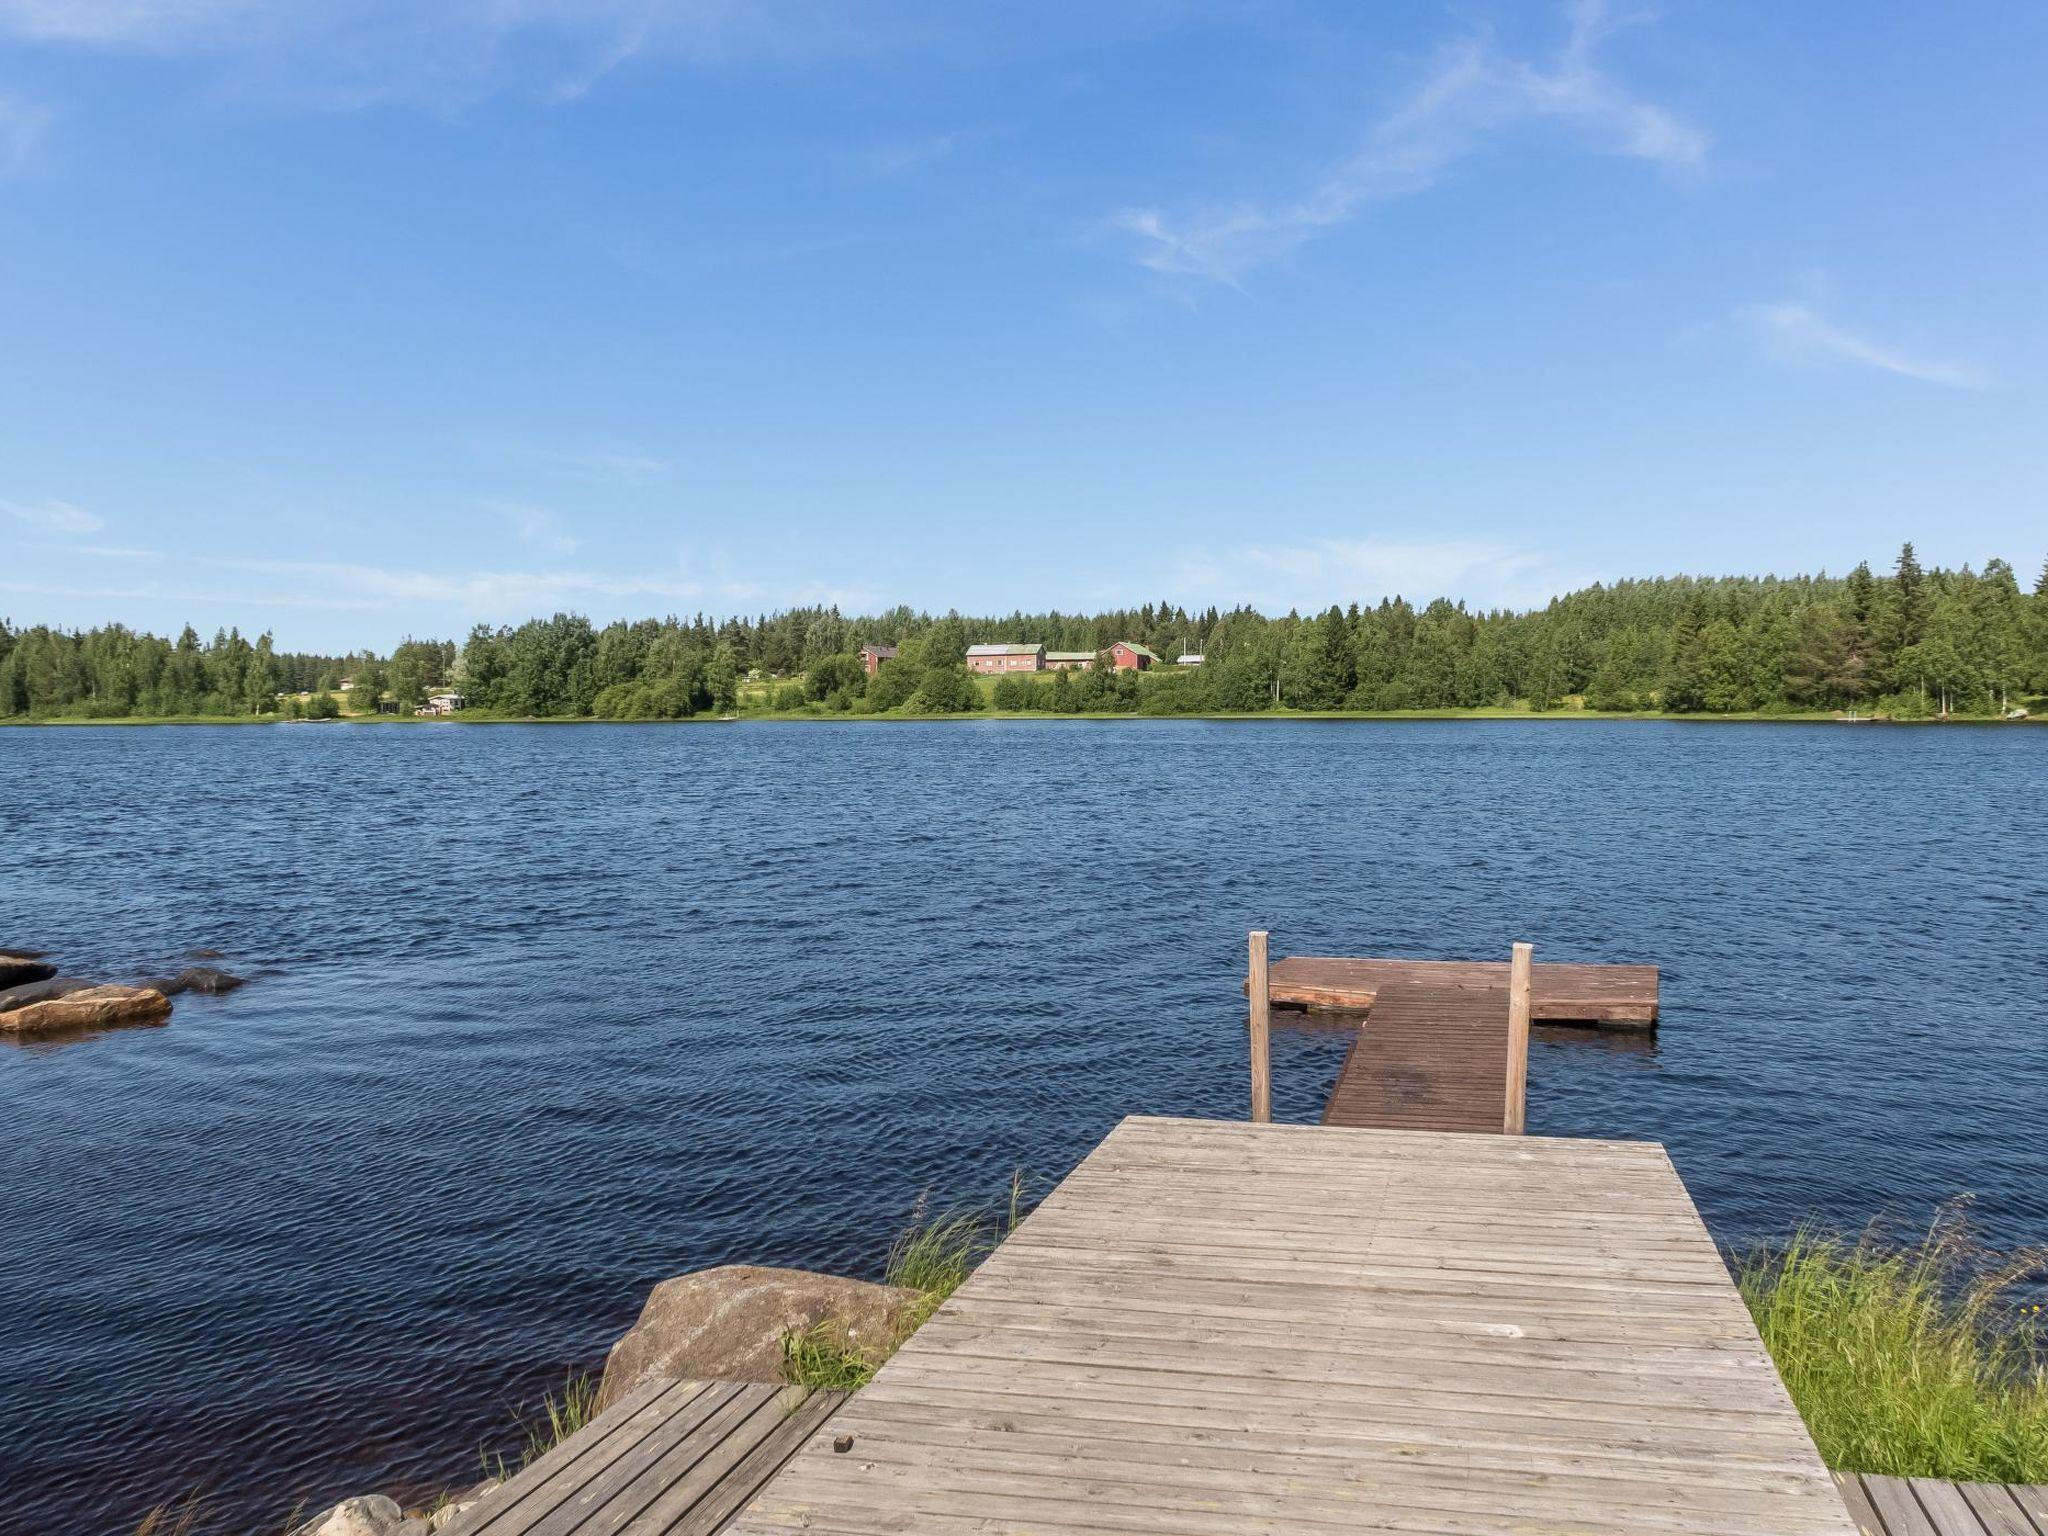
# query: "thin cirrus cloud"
342, 54
1795, 331
22, 125
534, 526
1313, 575
58, 518
1474, 96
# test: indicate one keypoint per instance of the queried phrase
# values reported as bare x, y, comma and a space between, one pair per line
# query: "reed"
1921, 1358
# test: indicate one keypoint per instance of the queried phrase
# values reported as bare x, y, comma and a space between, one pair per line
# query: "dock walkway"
1920, 1506
670, 1458
1220, 1329
1428, 1059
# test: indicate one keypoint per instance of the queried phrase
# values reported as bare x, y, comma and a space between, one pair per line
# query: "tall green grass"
555, 1420
933, 1254
1914, 1359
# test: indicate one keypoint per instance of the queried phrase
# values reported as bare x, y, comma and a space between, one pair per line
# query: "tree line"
1907, 642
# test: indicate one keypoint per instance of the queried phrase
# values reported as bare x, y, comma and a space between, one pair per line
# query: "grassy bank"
1912, 1359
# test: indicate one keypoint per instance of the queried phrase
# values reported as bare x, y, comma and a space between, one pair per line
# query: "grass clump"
557, 1418
933, 1254
826, 1360
1909, 1359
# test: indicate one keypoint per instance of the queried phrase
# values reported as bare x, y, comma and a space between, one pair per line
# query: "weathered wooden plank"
1858, 1504
1561, 992
1897, 1507
1181, 1342
2033, 1498
769, 1454
1999, 1511
1945, 1506
603, 1502
516, 1505
686, 1474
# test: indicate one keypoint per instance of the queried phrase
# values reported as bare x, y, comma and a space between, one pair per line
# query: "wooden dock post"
1262, 1055
1517, 1115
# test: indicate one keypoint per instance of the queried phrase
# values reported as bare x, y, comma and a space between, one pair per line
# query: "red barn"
872, 657
1130, 658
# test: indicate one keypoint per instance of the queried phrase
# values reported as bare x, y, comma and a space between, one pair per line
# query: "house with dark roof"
872, 657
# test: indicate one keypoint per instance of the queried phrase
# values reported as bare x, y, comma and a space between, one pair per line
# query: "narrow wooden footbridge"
1444, 1045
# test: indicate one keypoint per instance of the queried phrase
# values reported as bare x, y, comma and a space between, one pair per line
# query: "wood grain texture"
670, 1459
1216, 1329
1261, 1032
1621, 995
1428, 1059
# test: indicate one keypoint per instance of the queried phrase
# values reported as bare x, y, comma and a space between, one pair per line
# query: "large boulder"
88, 1008
370, 1515
23, 965
726, 1324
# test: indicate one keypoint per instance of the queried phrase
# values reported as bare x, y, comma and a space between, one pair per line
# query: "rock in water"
28, 992
18, 966
726, 1324
195, 978
371, 1515
88, 1008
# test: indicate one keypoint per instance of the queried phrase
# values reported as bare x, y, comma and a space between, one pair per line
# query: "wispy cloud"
601, 465
22, 124
534, 526
1474, 95
1315, 574
338, 54
58, 517
1794, 330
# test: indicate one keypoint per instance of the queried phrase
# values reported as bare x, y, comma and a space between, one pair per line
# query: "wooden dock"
1921, 1506
1220, 1329
670, 1458
1561, 993
1427, 1059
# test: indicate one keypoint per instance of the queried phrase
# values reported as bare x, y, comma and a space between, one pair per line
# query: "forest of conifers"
1907, 643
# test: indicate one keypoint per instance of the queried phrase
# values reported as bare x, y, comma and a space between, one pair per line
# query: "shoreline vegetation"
1917, 1358
1912, 644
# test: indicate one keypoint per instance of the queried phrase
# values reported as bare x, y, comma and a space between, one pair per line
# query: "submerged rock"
19, 966
726, 1324
196, 978
87, 1007
370, 1515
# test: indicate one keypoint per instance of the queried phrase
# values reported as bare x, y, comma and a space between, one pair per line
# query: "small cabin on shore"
1006, 658
442, 704
872, 657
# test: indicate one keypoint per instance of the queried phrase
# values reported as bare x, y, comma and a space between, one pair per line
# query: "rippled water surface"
545, 1014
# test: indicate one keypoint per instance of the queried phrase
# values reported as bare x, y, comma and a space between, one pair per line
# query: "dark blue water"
549, 1013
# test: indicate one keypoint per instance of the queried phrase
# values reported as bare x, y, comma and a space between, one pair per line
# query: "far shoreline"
803, 717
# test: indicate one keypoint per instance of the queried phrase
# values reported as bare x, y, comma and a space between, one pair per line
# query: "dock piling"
1517, 1114
1261, 1021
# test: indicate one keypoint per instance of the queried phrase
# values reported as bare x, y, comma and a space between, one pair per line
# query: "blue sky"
355, 318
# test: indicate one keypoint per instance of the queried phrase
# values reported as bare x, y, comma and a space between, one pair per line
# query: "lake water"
545, 1014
